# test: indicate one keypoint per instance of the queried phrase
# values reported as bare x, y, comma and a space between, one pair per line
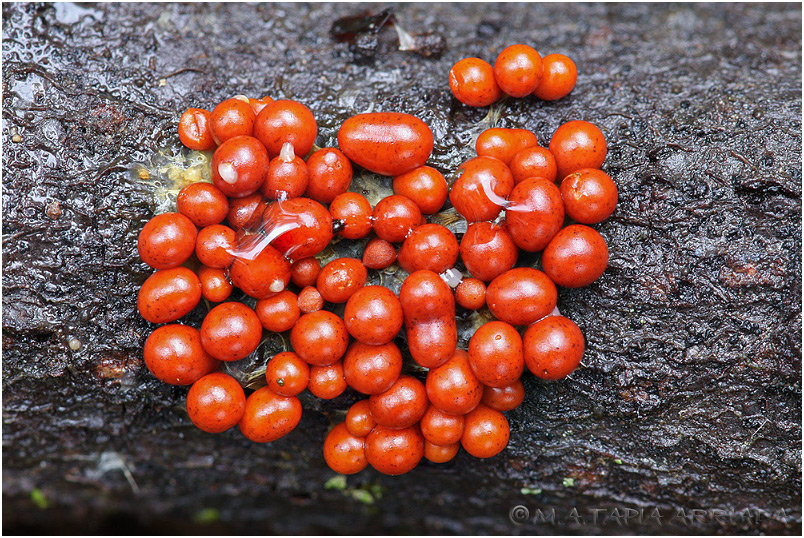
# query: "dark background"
689, 396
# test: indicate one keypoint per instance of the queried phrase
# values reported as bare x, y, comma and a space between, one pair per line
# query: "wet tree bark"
689, 397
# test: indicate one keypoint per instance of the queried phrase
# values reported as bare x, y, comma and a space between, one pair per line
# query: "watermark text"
626, 516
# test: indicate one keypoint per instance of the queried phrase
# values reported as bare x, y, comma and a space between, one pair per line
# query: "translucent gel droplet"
330, 158
406, 41
452, 277
287, 153
252, 244
488, 190
277, 286
227, 172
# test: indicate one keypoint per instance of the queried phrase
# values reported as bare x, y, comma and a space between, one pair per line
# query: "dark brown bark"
689, 396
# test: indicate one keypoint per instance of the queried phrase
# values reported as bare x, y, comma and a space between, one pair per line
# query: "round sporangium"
576, 145
440, 428
258, 104
304, 272
372, 369
330, 175
379, 254
426, 186
284, 121
195, 129
344, 453
214, 246
480, 191
327, 382
233, 117
215, 287
216, 402
287, 175
354, 212
298, 228
534, 214
495, 354
486, 432
487, 250
440, 453
320, 338
269, 416
340, 279
394, 217
388, 143
559, 77
394, 452
429, 246
359, 421
310, 300
262, 277
287, 374
239, 166
453, 387
203, 203
553, 347
518, 70
402, 405
472, 82
169, 295
589, 195
373, 315
521, 296
534, 161
246, 212
471, 294
167, 240
231, 331
576, 256
505, 398
174, 355
503, 144
280, 312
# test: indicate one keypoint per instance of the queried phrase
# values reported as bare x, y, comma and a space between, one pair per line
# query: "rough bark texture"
689, 396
